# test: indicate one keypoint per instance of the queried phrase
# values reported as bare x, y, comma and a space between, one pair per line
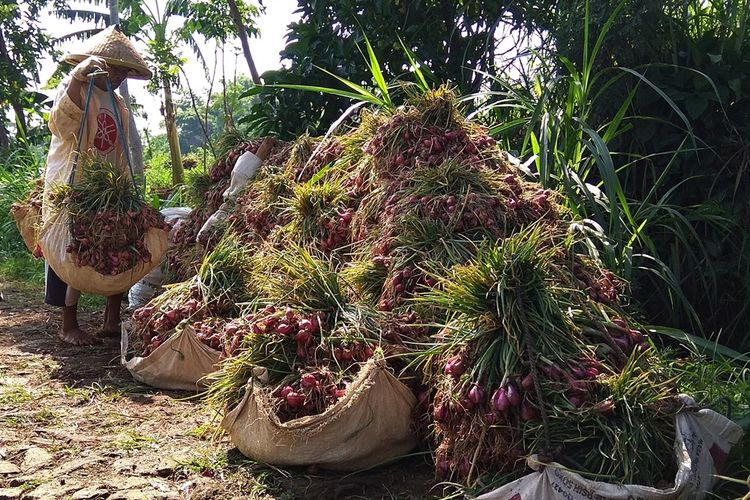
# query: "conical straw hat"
115, 48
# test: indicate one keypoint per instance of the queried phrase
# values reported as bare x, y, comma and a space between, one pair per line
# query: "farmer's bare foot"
110, 330
76, 336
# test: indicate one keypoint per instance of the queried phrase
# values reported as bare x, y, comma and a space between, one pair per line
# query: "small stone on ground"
10, 493
35, 457
8, 468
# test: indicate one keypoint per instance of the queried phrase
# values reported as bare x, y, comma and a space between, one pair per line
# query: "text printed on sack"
567, 487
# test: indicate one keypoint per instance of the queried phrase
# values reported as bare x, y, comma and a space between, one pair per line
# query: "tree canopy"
23, 42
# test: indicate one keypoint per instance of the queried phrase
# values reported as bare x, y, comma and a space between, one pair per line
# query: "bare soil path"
74, 424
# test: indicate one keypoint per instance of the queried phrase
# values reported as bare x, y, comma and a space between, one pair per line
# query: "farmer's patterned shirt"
100, 134
106, 140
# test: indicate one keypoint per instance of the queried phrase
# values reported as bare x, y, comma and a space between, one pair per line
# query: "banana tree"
169, 30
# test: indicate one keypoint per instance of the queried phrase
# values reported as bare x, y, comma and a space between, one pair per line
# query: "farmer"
109, 51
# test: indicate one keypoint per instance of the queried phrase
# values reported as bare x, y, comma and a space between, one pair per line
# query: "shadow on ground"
73, 423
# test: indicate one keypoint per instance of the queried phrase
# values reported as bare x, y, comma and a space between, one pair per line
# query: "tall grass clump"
649, 236
20, 166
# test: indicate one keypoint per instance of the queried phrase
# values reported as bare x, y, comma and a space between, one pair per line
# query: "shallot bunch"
112, 242
311, 394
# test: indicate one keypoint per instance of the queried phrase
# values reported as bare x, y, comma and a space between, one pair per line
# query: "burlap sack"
28, 219
180, 363
54, 238
702, 443
370, 425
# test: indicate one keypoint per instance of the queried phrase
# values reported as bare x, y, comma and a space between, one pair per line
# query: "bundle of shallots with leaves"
415, 235
208, 189
308, 155
319, 213
206, 301
303, 333
528, 361
108, 218
260, 211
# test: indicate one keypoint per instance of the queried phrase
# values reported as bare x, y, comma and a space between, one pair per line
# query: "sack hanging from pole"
55, 238
55, 235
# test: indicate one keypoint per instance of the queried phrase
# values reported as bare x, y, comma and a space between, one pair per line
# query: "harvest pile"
206, 301
185, 255
108, 218
412, 235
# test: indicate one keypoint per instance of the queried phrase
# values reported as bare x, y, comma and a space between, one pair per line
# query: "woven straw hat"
115, 48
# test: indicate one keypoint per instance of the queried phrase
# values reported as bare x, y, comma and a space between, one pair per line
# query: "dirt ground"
74, 424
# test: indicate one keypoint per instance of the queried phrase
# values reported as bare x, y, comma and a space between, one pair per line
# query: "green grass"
256, 480
159, 180
132, 440
30, 484
204, 431
77, 393
22, 267
26, 272
15, 421
45, 416
12, 395
205, 462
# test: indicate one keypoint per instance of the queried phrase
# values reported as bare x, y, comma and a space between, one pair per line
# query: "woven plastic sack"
54, 238
244, 170
28, 219
368, 426
146, 288
702, 443
179, 363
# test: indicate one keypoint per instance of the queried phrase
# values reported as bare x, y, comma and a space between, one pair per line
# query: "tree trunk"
242, 34
228, 121
178, 174
134, 138
4, 139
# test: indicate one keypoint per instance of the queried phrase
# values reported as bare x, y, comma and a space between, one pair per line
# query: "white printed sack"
702, 444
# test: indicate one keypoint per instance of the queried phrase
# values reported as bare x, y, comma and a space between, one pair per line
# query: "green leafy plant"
557, 122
